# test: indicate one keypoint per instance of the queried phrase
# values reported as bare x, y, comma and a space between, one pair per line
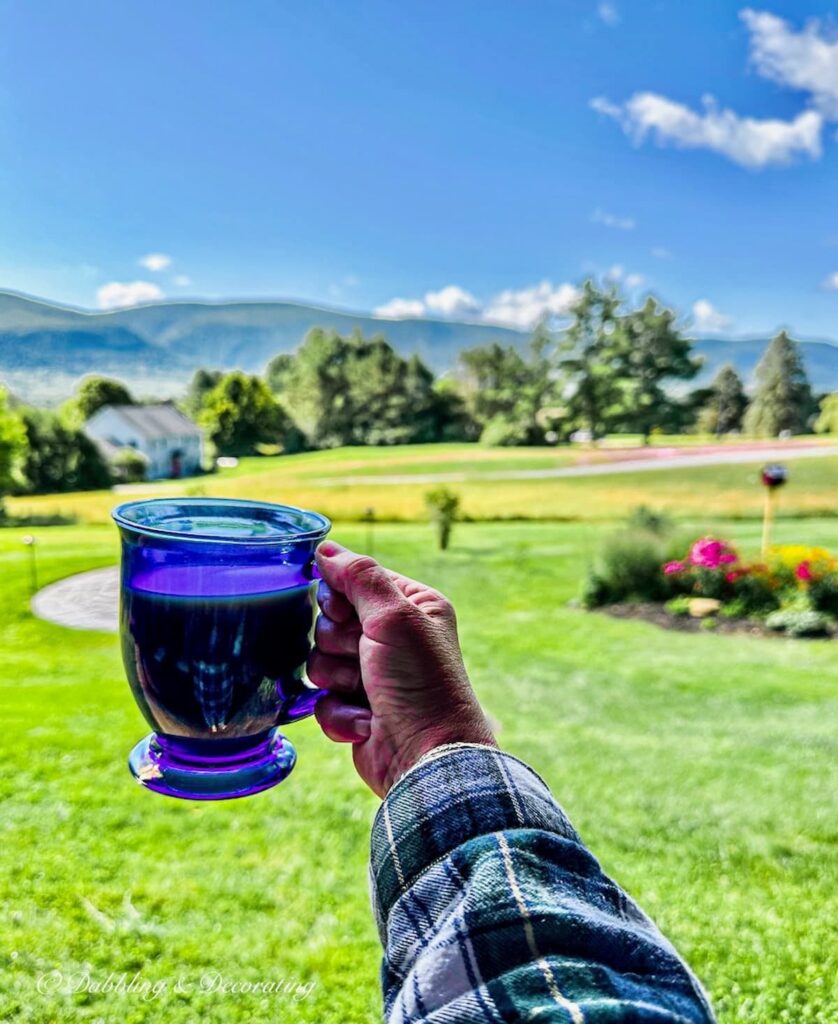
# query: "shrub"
444, 506
712, 568
753, 590
823, 593
130, 466
796, 623
679, 605
735, 609
645, 518
793, 556
633, 565
595, 591
628, 567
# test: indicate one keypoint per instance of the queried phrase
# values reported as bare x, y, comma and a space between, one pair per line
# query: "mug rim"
320, 523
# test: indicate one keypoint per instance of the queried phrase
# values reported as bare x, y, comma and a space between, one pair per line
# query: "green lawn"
697, 767
345, 483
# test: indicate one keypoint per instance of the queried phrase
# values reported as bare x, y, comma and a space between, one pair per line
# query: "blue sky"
469, 159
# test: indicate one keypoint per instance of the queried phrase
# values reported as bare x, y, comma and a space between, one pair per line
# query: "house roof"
153, 421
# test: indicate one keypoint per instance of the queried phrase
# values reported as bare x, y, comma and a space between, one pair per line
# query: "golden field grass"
345, 483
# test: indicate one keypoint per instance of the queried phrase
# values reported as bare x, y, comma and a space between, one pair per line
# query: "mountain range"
155, 348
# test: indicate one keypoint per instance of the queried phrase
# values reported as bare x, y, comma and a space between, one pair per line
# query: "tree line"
612, 369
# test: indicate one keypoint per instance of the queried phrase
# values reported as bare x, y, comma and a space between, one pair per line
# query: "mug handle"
310, 570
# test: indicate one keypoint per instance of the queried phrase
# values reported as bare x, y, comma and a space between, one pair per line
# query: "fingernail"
330, 548
361, 722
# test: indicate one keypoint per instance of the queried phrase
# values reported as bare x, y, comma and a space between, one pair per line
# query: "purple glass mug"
216, 618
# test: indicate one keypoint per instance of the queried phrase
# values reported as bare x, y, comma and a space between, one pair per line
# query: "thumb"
367, 585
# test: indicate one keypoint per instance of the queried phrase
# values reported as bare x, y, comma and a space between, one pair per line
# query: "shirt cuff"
453, 794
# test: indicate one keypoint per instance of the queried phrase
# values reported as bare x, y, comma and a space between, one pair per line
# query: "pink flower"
735, 574
672, 567
804, 572
711, 553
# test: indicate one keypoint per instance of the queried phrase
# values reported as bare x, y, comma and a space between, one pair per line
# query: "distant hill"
44, 348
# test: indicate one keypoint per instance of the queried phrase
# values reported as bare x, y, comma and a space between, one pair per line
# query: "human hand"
387, 652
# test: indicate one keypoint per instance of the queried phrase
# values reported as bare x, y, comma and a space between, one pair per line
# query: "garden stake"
773, 477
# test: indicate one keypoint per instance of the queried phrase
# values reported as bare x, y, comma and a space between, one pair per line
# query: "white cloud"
831, 282
118, 294
616, 274
707, 318
452, 301
525, 307
805, 59
155, 261
611, 220
522, 308
182, 280
608, 13
602, 105
660, 252
748, 141
400, 309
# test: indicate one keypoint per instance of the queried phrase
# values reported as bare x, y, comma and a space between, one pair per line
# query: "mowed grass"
346, 483
699, 768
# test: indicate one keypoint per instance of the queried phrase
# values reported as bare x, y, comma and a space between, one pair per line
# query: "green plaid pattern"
491, 909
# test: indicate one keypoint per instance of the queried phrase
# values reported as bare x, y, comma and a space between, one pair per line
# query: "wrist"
475, 732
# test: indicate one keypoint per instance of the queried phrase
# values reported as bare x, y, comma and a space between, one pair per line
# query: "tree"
240, 413
590, 359
278, 371
450, 417
12, 441
95, 392
315, 388
203, 381
361, 391
59, 458
390, 399
650, 350
506, 390
726, 405
491, 377
783, 397
827, 421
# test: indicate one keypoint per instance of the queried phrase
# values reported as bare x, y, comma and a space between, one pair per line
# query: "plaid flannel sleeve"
490, 908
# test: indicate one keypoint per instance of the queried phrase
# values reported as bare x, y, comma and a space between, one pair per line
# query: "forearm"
490, 908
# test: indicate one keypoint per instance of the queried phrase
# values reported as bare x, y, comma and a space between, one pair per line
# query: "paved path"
632, 465
88, 600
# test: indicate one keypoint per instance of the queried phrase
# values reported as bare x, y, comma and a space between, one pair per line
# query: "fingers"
343, 723
337, 638
334, 604
367, 586
340, 675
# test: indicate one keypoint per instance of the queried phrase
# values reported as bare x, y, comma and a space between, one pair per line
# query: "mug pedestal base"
211, 769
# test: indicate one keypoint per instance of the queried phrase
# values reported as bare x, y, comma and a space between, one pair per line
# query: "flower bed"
793, 592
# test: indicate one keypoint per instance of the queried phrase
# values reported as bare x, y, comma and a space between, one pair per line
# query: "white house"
170, 442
